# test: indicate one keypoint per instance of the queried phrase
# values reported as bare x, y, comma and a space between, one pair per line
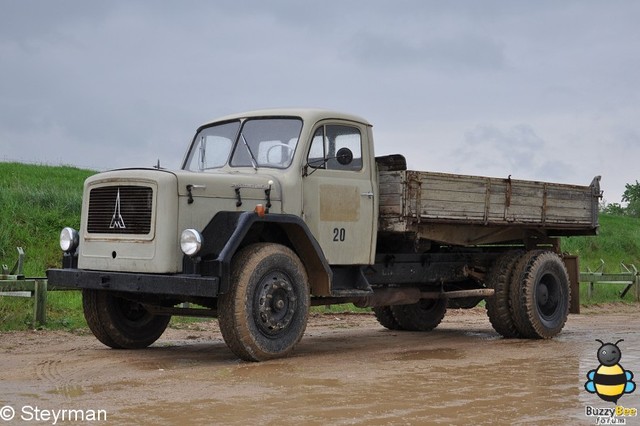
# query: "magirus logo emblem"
117, 221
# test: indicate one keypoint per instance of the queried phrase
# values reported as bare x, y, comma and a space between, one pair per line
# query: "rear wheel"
120, 323
385, 317
499, 279
422, 316
264, 313
540, 295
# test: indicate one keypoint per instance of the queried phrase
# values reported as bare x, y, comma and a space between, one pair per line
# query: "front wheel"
120, 323
264, 313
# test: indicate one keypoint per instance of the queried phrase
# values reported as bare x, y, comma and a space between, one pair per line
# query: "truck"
275, 211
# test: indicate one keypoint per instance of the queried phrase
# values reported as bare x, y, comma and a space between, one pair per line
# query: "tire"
264, 313
464, 302
120, 323
498, 305
540, 295
385, 317
422, 316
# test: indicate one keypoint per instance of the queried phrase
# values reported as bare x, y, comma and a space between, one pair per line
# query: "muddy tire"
464, 302
120, 323
540, 295
498, 309
385, 317
422, 316
264, 313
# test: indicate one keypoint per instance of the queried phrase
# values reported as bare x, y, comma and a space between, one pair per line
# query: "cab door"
338, 193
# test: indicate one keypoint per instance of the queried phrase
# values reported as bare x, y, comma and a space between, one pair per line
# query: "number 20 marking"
339, 234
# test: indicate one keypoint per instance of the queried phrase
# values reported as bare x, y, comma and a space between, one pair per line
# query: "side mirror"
344, 156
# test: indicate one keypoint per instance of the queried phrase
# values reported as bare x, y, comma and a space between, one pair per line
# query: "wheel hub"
132, 311
542, 294
547, 297
276, 304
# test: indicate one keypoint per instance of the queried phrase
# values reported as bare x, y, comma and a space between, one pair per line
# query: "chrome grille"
123, 209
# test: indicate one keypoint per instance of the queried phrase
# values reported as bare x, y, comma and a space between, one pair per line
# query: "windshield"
258, 142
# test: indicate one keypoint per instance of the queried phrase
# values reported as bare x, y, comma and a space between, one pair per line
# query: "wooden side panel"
563, 205
493, 200
427, 198
451, 197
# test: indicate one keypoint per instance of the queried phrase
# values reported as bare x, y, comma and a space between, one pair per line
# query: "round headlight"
190, 242
69, 239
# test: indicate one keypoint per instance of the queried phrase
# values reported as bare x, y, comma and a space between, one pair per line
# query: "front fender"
228, 232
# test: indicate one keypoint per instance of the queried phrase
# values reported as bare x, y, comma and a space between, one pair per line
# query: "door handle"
367, 194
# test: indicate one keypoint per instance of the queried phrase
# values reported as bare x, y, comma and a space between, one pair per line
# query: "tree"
614, 209
631, 196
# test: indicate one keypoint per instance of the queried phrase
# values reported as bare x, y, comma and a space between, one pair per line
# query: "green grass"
339, 309
617, 242
36, 202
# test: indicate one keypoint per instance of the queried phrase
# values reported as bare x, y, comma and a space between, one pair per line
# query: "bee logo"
609, 381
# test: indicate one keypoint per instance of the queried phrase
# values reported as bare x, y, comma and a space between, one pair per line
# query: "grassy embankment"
36, 202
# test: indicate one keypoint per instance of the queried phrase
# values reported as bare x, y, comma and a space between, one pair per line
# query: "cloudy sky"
545, 90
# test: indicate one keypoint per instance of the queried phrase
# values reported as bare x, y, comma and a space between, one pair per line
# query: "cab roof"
306, 114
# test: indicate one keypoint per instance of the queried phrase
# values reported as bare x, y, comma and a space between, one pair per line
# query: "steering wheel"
279, 145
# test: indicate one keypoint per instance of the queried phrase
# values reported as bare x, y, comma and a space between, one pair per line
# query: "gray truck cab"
320, 165
150, 239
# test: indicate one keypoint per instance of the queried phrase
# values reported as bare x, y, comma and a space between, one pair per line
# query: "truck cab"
153, 238
322, 161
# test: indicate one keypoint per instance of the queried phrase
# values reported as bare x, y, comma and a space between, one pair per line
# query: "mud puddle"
347, 370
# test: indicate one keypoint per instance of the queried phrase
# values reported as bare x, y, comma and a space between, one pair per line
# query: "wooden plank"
17, 285
391, 190
436, 195
15, 293
453, 209
622, 278
40, 308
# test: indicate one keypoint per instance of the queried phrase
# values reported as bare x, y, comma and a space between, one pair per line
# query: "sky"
546, 90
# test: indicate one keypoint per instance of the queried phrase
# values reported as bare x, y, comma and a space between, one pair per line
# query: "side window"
327, 142
344, 137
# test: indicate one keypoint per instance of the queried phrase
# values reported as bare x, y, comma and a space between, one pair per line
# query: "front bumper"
166, 285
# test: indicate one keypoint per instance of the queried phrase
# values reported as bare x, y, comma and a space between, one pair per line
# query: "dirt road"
347, 370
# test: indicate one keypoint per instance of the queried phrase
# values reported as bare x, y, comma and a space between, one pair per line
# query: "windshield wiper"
254, 162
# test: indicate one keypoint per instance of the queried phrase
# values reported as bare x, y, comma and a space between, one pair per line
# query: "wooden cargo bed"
491, 209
